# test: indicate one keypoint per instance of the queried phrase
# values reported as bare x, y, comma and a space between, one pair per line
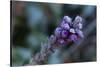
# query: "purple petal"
73, 37
80, 33
77, 23
80, 26
61, 42
65, 26
67, 19
64, 33
52, 39
58, 31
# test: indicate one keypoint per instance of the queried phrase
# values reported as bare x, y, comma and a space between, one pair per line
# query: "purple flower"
80, 33
73, 37
65, 25
77, 23
52, 39
72, 30
78, 19
64, 33
78, 26
61, 42
69, 31
58, 31
67, 19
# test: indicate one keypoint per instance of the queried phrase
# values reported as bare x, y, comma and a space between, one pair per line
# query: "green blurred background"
33, 22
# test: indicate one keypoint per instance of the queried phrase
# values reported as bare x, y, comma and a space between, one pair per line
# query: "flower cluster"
68, 30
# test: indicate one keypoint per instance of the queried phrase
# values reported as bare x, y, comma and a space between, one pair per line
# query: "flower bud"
79, 26
61, 42
72, 30
64, 33
67, 19
78, 19
58, 31
52, 39
73, 37
65, 26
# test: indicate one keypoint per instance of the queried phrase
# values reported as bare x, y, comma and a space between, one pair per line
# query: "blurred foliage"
34, 22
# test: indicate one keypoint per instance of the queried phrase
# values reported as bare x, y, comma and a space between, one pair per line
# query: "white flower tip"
72, 30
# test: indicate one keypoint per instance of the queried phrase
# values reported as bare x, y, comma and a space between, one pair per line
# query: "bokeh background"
33, 22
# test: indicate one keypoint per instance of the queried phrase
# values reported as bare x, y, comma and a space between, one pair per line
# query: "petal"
73, 37
77, 23
67, 19
80, 26
80, 33
72, 30
78, 19
58, 31
65, 26
61, 42
52, 39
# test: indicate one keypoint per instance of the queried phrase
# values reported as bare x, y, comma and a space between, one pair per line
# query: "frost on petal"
80, 33
67, 19
58, 31
72, 30
73, 37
